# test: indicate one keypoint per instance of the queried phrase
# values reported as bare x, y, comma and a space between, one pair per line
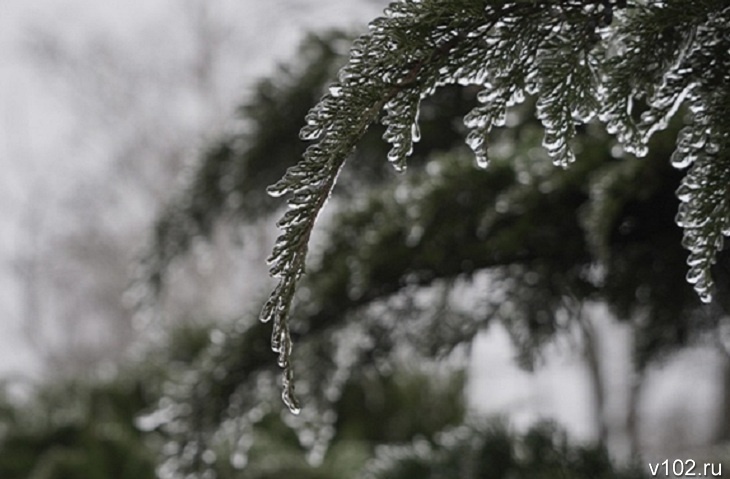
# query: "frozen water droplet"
681, 160
310, 132
693, 261
415, 132
564, 160
488, 96
684, 192
277, 190
394, 155
500, 119
482, 160
475, 139
553, 142
517, 98
475, 119
287, 395
266, 311
639, 150
694, 274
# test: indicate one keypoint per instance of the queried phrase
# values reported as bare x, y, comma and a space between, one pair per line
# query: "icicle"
287, 394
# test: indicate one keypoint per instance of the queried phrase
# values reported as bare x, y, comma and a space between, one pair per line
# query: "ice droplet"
476, 119
482, 160
276, 337
500, 119
639, 150
415, 132
705, 295
565, 159
287, 394
684, 192
475, 139
694, 274
712, 146
310, 132
680, 159
394, 155
277, 190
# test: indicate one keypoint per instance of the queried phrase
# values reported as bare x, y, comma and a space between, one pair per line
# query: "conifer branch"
310, 188
581, 59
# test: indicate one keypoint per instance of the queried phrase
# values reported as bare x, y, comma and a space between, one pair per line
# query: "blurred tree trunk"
633, 416
723, 426
592, 357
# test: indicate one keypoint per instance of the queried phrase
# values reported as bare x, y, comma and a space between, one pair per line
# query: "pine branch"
580, 58
310, 184
439, 43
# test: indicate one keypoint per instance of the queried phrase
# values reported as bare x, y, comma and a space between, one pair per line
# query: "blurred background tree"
139, 118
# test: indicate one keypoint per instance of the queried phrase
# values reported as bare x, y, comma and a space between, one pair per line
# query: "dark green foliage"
379, 416
407, 404
601, 230
490, 451
631, 64
78, 431
224, 401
